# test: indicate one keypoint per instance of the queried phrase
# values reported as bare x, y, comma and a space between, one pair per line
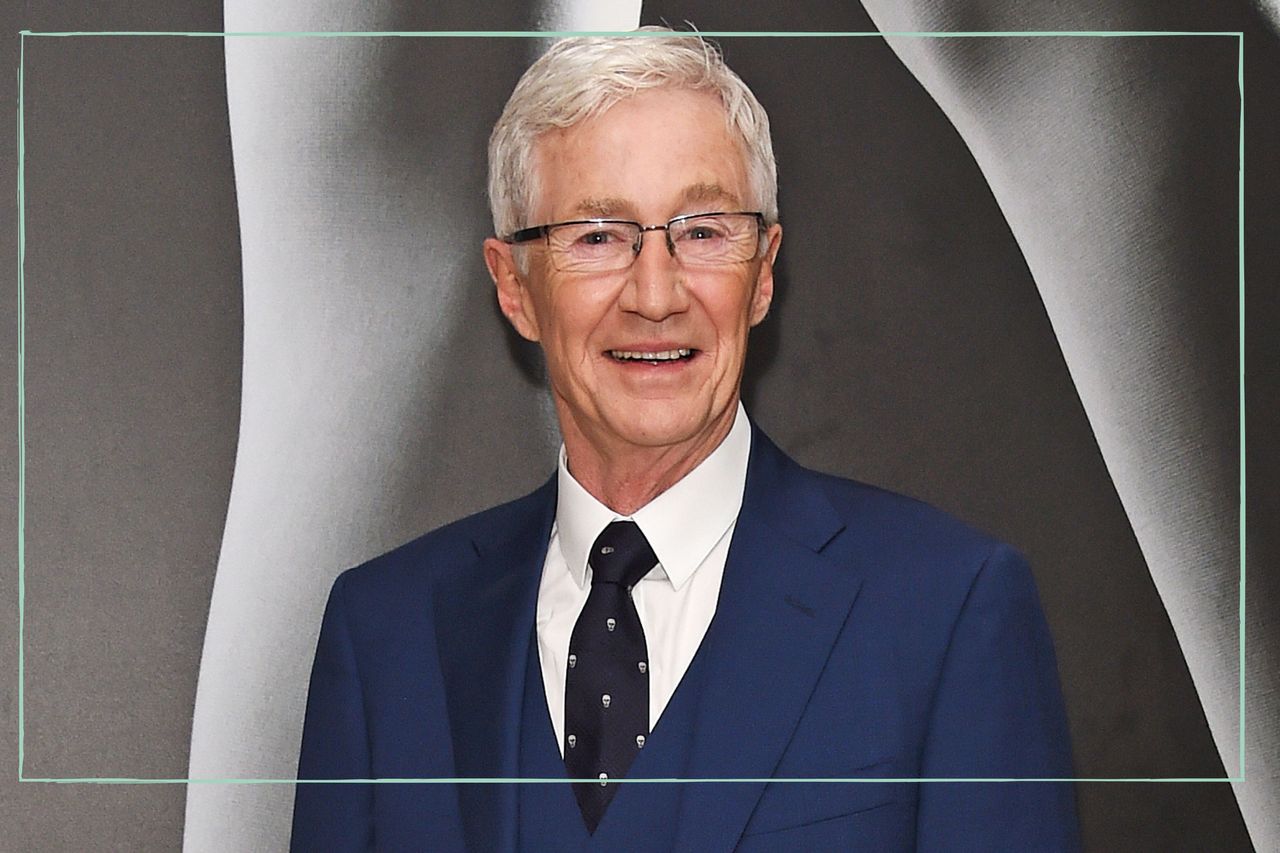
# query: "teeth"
665, 355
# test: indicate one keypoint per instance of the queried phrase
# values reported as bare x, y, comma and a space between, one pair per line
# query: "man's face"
660, 154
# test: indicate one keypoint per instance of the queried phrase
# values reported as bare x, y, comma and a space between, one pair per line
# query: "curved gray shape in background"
131, 364
1081, 150
1270, 10
369, 326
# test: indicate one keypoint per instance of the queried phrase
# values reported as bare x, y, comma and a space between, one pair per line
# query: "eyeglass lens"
722, 238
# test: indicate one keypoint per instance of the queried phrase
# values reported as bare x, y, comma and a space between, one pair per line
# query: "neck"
625, 477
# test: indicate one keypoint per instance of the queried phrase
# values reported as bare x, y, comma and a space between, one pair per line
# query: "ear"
763, 296
513, 292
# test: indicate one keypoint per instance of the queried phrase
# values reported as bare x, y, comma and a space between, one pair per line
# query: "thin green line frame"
544, 34
549, 34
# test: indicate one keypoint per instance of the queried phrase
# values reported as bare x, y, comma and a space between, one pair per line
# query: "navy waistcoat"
642, 816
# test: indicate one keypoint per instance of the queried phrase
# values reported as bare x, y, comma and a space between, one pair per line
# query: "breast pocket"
884, 828
794, 811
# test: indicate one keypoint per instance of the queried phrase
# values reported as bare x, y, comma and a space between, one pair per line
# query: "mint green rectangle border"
22, 231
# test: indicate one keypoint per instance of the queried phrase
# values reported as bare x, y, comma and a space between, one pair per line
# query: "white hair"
583, 76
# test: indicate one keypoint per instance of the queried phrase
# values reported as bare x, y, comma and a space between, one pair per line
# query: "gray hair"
583, 76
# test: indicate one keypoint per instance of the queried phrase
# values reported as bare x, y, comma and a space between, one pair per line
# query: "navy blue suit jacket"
858, 634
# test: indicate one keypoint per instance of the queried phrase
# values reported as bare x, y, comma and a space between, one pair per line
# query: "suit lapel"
484, 616
782, 607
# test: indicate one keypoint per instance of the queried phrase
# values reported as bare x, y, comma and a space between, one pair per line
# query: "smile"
652, 357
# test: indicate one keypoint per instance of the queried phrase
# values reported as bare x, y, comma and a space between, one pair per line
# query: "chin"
660, 426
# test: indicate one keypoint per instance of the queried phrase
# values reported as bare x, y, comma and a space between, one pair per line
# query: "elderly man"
680, 601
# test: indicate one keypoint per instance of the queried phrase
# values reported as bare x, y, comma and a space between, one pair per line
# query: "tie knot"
621, 555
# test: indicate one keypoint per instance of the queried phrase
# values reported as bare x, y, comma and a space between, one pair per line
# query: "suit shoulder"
440, 550
914, 531
874, 503
900, 530
921, 564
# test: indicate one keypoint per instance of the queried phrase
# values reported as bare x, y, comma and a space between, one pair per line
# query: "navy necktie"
606, 697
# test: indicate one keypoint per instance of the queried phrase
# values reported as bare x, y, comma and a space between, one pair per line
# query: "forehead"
651, 154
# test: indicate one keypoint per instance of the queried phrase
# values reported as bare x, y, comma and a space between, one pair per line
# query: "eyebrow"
700, 193
603, 207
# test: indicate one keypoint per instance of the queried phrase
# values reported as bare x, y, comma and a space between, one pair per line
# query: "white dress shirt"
688, 526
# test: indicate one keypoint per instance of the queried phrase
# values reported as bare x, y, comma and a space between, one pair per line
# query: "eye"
700, 231
598, 238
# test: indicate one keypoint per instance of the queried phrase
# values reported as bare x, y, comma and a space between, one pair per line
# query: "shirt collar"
682, 524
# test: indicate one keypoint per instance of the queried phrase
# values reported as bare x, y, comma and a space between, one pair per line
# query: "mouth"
668, 356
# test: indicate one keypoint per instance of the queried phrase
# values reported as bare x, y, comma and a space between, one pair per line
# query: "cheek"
569, 323
731, 314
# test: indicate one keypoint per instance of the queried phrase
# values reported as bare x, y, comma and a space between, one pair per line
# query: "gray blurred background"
261, 347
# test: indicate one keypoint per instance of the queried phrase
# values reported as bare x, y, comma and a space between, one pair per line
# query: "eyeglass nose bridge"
639, 243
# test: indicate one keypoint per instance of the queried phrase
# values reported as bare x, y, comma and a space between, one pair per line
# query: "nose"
655, 285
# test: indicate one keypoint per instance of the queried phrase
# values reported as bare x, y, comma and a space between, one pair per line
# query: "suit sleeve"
335, 745
998, 713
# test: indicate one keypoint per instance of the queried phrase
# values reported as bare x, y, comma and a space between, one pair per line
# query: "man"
681, 600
